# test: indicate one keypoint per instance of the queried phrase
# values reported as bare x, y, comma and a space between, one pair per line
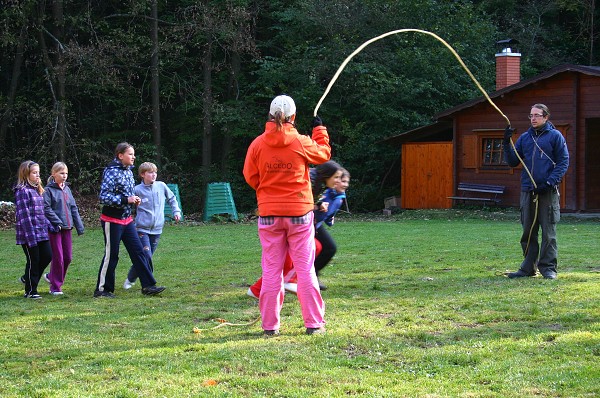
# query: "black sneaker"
152, 290
103, 294
33, 296
549, 274
519, 274
271, 333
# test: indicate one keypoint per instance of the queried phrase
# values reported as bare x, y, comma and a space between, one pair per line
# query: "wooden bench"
492, 192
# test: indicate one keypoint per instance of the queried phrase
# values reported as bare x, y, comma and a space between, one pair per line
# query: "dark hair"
323, 172
543, 108
122, 147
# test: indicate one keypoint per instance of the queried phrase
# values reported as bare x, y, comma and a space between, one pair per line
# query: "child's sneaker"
251, 293
291, 287
311, 331
59, 293
127, 284
46, 277
33, 296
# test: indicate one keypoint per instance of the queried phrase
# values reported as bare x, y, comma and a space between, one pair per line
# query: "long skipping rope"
393, 32
222, 322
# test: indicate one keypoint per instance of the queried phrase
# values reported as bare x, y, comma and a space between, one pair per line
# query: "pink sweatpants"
293, 235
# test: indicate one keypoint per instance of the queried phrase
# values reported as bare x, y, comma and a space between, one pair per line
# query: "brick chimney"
508, 64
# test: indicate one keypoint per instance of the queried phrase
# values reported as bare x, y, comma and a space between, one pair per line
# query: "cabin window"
492, 154
483, 152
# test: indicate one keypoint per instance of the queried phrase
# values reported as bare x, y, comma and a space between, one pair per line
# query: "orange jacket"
276, 167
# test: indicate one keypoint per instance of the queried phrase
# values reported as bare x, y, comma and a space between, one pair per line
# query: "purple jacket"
31, 224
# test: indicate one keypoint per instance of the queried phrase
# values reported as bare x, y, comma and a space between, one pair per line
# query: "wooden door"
592, 165
426, 175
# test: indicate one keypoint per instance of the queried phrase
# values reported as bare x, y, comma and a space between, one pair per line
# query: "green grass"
415, 308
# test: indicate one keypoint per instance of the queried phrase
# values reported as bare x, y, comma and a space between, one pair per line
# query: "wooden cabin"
464, 144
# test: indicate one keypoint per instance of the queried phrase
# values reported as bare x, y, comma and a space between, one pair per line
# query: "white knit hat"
284, 104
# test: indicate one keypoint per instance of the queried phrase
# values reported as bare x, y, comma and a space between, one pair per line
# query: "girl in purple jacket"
32, 226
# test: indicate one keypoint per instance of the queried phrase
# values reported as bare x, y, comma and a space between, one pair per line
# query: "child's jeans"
62, 254
278, 236
150, 243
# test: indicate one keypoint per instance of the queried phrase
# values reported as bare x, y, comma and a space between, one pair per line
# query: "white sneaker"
45, 275
291, 287
56, 293
128, 285
249, 293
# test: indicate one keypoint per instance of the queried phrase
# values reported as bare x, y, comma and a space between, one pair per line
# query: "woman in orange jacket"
277, 168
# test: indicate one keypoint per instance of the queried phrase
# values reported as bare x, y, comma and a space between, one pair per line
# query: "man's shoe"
291, 287
251, 293
33, 296
99, 294
46, 277
549, 274
127, 284
311, 331
519, 274
152, 290
271, 333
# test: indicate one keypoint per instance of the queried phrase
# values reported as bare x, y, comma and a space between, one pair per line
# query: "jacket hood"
279, 139
546, 127
116, 164
54, 185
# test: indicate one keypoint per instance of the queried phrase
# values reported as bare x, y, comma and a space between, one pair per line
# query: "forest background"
189, 83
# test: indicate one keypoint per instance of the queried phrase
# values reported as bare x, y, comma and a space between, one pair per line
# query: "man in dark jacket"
543, 149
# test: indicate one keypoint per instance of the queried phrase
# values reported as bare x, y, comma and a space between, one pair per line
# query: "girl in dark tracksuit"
31, 226
324, 178
118, 199
335, 197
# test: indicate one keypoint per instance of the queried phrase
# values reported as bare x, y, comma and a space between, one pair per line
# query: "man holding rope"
543, 150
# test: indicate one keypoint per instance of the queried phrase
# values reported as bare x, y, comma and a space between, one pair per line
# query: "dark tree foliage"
77, 77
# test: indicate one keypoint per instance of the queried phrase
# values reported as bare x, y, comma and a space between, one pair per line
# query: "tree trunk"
207, 111
232, 95
61, 125
156, 132
12, 91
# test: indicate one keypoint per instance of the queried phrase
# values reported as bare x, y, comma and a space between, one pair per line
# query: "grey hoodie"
60, 209
150, 217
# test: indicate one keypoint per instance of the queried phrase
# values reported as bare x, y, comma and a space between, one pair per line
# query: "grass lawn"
415, 308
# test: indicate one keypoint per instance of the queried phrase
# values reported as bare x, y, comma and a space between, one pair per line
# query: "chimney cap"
507, 42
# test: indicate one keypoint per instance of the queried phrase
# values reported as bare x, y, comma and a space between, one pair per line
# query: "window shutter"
470, 153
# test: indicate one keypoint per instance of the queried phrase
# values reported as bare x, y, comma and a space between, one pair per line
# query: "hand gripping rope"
393, 32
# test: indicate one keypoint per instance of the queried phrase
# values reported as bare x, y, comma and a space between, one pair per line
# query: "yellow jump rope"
222, 322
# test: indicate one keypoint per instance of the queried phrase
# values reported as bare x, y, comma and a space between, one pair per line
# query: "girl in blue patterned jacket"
32, 226
118, 199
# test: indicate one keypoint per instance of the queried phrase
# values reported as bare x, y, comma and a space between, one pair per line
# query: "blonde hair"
23, 176
279, 119
146, 167
56, 167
